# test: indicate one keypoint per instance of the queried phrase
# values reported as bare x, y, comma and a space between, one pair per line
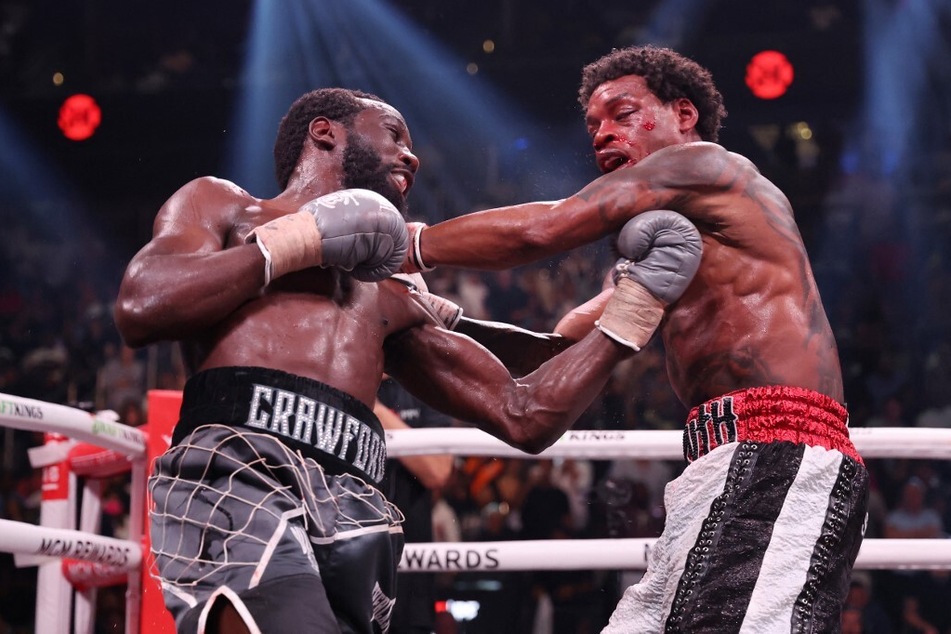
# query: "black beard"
363, 169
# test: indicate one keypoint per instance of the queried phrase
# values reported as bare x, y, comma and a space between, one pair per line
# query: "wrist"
289, 243
631, 315
268, 264
416, 249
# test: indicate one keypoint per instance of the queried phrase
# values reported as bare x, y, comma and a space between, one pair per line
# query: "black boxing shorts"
271, 505
762, 527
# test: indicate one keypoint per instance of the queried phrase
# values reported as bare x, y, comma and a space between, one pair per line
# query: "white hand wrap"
449, 313
415, 253
289, 243
631, 315
355, 230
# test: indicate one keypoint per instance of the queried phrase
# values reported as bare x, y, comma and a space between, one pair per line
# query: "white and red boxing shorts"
762, 527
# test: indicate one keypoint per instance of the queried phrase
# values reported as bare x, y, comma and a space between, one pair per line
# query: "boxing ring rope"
876, 442
96, 560
29, 539
631, 554
102, 431
628, 553
74, 563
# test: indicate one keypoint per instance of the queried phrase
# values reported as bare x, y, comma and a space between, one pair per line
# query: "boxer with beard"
266, 513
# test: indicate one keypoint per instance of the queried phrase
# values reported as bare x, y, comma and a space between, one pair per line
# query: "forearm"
540, 407
170, 297
457, 376
505, 237
519, 350
493, 239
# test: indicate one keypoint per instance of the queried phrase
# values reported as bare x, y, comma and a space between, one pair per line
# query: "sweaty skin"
198, 283
752, 315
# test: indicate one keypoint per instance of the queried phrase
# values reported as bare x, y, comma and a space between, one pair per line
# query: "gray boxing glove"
661, 253
356, 230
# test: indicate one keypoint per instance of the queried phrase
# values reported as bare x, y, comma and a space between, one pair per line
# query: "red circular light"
769, 74
79, 116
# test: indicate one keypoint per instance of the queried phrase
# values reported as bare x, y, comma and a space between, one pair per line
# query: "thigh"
219, 519
291, 604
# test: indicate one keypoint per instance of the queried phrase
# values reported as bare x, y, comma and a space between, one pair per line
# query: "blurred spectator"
473, 293
925, 604
912, 518
506, 301
22, 504
891, 414
131, 412
495, 524
445, 521
565, 599
653, 474
575, 478
121, 379
852, 621
887, 379
870, 617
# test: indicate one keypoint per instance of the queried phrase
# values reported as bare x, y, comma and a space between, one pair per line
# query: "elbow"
527, 425
131, 323
530, 438
533, 448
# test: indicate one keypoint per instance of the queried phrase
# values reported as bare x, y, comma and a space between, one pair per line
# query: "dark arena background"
108, 106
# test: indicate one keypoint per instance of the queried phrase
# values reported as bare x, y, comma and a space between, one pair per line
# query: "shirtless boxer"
265, 514
766, 521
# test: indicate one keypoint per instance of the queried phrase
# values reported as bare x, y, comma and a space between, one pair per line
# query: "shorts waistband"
332, 427
768, 414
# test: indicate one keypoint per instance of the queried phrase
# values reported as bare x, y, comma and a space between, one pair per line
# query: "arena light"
371, 46
38, 185
79, 116
769, 74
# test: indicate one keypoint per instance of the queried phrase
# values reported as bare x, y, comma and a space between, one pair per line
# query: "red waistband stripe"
768, 414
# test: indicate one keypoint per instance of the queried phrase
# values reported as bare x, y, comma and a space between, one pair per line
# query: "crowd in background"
883, 266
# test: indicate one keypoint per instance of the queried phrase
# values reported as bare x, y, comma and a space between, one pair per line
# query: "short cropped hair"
668, 74
337, 104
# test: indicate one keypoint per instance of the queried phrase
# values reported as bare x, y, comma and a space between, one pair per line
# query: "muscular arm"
456, 375
184, 280
501, 238
519, 350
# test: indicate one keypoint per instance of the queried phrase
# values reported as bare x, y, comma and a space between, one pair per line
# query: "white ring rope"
572, 554
631, 554
894, 442
876, 442
592, 554
33, 415
29, 539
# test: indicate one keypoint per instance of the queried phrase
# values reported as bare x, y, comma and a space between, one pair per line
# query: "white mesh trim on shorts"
272, 545
222, 481
238, 604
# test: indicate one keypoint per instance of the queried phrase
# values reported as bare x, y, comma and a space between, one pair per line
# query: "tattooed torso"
752, 315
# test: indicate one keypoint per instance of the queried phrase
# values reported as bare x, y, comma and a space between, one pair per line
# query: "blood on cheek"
649, 125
